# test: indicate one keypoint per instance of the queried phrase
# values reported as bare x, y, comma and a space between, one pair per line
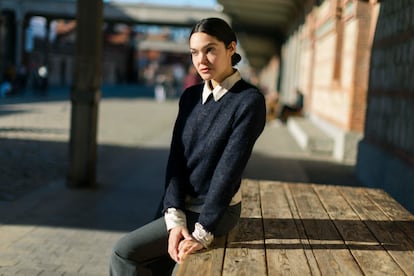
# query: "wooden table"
305, 229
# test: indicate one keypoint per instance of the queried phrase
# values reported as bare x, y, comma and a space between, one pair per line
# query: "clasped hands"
181, 243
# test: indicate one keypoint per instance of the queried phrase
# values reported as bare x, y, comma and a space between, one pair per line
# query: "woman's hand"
186, 247
177, 234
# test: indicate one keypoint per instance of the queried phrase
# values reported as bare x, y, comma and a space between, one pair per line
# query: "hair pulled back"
218, 28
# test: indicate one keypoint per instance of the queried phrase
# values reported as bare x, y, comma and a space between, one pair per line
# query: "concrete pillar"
85, 94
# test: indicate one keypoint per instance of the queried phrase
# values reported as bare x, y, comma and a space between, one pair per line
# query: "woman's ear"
232, 47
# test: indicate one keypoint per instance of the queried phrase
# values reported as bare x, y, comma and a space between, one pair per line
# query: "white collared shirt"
221, 89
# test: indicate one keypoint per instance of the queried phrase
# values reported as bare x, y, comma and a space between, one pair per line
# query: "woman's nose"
203, 58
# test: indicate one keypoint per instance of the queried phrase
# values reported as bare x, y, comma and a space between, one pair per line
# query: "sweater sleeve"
174, 196
248, 124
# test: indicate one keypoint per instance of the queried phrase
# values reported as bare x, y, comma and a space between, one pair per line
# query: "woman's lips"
204, 70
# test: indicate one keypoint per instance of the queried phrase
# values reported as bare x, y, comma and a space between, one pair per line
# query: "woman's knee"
144, 243
123, 247
120, 265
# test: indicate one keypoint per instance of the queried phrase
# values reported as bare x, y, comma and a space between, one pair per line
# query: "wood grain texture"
395, 241
331, 253
309, 229
366, 249
245, 252
284, 250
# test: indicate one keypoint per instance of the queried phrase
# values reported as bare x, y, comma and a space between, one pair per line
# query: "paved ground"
48, 229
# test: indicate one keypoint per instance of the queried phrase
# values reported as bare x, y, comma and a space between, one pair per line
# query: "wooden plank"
403, 218
284, 250
384, 228
388, 205
312, 230
209, 262
245, 253
367, 251
332, 255
313, 265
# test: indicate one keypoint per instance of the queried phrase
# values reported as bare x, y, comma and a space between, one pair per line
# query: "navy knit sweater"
210, 148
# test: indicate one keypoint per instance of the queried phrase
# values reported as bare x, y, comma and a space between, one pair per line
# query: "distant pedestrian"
294, 109
5, 89
216, 128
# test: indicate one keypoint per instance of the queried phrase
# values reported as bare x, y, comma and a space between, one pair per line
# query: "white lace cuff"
174, 217
202, 236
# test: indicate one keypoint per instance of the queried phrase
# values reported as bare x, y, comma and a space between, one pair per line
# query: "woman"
217, 125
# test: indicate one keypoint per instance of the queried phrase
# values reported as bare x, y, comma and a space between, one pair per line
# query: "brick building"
327, 58
352, 60
55, 45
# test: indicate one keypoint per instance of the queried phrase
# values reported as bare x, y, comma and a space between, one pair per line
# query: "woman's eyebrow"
206, 46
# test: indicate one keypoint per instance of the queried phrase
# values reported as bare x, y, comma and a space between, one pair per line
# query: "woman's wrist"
174, 217
202, 235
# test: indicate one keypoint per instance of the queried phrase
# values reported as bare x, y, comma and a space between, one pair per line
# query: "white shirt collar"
221, 89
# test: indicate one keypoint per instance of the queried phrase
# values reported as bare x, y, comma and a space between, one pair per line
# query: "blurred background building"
140, 42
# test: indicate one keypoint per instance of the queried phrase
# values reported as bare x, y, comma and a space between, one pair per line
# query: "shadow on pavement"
286, 169
63, 94
7, 111
130, 184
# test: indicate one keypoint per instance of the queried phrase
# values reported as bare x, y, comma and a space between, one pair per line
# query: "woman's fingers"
181, 243
187, 247
174, 241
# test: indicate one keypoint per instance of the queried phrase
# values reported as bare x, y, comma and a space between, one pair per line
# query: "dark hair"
218, 28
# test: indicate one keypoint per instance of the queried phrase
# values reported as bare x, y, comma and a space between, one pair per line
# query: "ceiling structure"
262, 25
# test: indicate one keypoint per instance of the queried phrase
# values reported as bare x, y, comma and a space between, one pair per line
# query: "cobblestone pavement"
48, 229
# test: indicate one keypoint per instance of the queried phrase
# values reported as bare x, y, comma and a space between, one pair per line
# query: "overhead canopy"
262, 25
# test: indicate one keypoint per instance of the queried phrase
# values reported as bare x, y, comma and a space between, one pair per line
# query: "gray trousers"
144, 251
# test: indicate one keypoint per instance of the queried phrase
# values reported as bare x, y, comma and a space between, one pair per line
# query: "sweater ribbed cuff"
174, 217
202, 236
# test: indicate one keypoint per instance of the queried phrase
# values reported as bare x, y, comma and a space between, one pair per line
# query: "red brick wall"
335, 43
362, 15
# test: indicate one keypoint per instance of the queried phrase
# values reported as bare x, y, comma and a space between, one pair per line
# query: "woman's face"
210, 56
